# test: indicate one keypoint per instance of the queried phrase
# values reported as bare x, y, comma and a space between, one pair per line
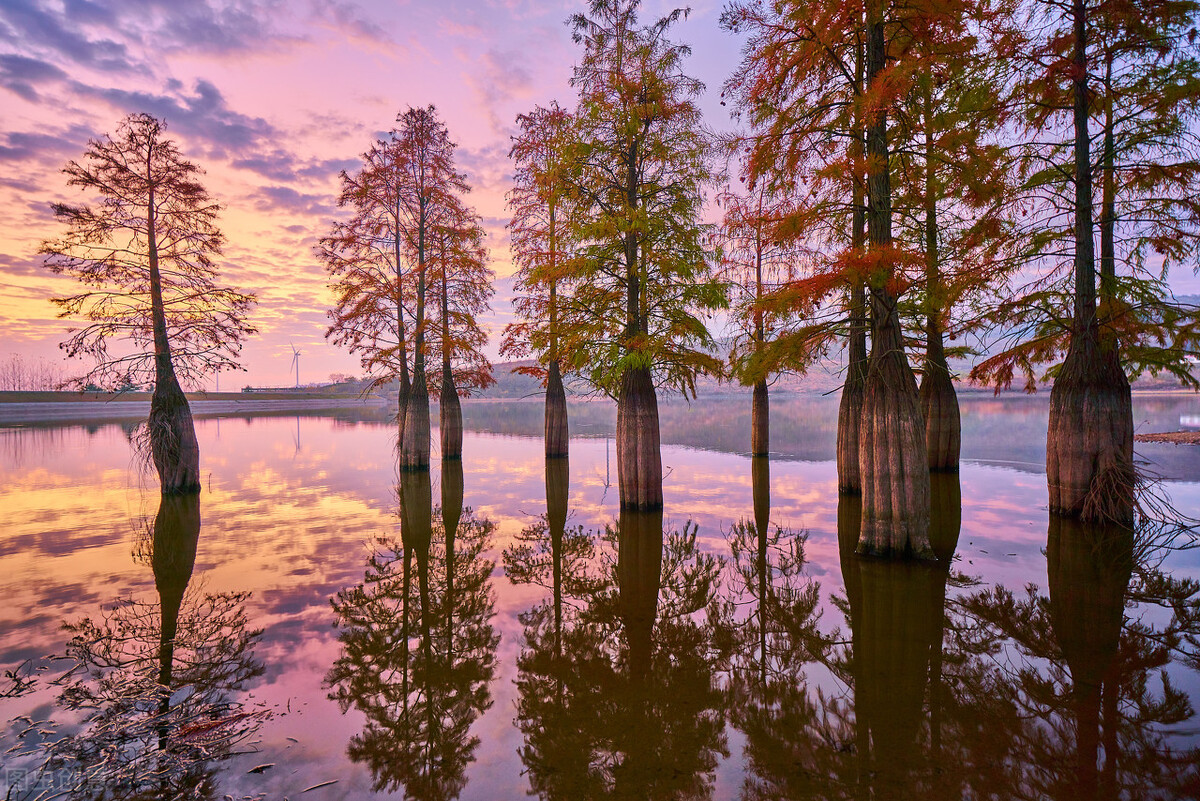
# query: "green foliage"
640, 160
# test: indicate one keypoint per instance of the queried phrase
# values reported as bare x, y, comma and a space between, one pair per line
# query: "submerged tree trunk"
939, 402
639, 459
414, 451
1089, 438
451, 425
556, 413
892, 455
760, 421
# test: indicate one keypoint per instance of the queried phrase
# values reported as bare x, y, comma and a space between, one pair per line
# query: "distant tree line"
19, 373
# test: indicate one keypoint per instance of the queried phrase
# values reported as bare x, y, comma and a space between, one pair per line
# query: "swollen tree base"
172, 434
1089, 439
892, 458
556, 414
849, 421
639, 459
451, 423
943, 424
414, 448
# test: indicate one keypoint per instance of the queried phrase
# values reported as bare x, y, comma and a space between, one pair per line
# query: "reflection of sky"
289, 507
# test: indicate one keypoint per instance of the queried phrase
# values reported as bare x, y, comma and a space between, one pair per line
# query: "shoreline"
88, 407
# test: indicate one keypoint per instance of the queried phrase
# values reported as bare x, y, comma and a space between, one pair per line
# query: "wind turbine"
295, 363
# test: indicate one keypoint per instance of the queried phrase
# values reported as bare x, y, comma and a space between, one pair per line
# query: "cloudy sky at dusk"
272, 99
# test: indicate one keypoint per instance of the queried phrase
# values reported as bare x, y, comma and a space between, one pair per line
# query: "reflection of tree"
151, 684
774, 642
1102, 724
929, 716
417, 660
919, 714
621, 698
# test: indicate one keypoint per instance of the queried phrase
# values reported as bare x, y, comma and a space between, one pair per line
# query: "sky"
272, 98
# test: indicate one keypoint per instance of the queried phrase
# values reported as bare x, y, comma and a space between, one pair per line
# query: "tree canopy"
145, 253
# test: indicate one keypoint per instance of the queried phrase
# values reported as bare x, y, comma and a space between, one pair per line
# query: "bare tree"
145, 255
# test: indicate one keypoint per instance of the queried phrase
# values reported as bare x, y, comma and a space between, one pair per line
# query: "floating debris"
318, 786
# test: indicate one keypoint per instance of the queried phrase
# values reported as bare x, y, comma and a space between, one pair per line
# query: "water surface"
444, 636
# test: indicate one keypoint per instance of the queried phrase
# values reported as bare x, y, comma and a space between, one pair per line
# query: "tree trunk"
892, 456
414, 450
938, 399
851, 405
173, 445
939, 403
414, 447
892, 459
639, 459
1089, 438
451, 417
556, 414
402, 398
760, 421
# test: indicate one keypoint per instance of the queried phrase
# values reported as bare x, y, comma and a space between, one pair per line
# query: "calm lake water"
321, 632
